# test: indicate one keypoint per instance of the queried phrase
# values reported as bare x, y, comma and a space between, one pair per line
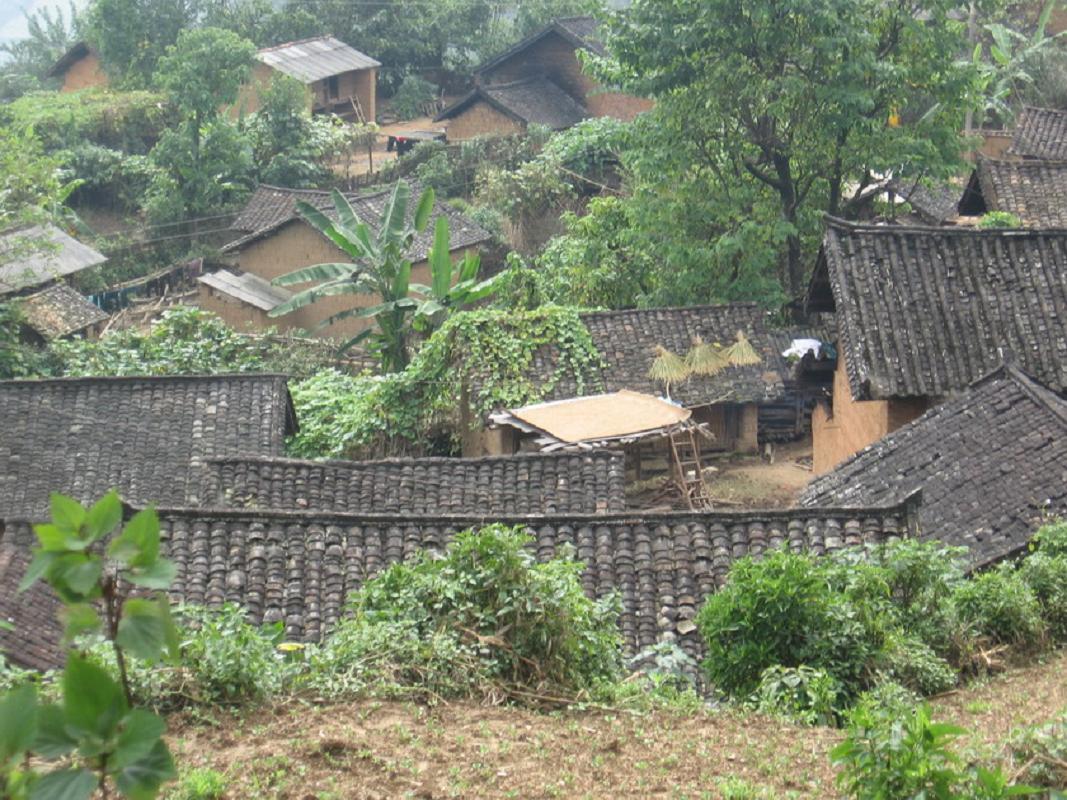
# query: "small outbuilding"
58, 312
79, 68
40, 254
339, 78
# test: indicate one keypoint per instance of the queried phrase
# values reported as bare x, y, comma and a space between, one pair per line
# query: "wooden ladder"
688, 469
357, 109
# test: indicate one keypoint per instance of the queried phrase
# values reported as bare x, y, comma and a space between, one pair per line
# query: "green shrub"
199, 784
999, 605
887, 755
411, 96
1051, 539
1040, 751
802, 694
999, 219
485, 619
783, 611
1046, 577
911, 662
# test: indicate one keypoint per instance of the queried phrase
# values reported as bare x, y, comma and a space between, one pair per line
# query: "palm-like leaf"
423, 211
326, 227
318, 272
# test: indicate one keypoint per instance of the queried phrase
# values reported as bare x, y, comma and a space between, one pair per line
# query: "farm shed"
1034, 191
39, 254
727, 403
585, 483
991, 463
924, 312
147, 436
1040, 133
339, 78
299, 568
79, 68
540, 79
244, 301
276, 241
58, 311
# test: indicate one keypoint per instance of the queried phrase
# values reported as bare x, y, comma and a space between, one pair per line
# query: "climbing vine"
484, 359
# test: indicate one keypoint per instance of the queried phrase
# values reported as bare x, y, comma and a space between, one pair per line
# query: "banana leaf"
318, 272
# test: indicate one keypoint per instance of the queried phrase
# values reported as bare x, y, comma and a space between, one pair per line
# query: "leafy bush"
889, 755
485, 619
802, 694
999, 605
1040, 751
999, 219
1046, 577
1051, 539
783, 611
911, 662
411, 96
199, 784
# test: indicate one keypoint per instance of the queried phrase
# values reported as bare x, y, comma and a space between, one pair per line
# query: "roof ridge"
71, 379
1031, 386
400, 460
657, 309
838, 224
302, 41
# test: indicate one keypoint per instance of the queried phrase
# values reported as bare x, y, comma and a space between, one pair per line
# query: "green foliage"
204, 70
999, 219
487, 353
1051, 539
94, 732
779, 127
485, 619
1041, 753
32, 188
908, 660
1000, 606
380, 267
199, 783
412, 96
802, 694
185, 341
17, 360
51, 32
890, 755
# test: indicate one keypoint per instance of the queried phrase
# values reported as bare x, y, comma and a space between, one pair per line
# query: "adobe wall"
358, 83
481, 119
850, 425
615, 104
298, 245
734, 427
85, 73
239, 316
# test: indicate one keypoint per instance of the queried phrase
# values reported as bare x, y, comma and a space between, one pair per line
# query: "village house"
1034, 190
922, 313
991, 463
79, 68
539, 81
339, 78
300, 567
35, 262
275, 240
727, 403
149, 437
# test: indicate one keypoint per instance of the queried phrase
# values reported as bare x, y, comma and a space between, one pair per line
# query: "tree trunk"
787, 193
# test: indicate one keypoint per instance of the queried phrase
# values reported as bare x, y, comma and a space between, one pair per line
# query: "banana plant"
453, 285
379, 267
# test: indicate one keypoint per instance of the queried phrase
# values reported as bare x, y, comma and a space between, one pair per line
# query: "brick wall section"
238, 315
481, 119
85, 73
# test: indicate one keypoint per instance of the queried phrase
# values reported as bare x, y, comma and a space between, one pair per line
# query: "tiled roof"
35, 642
923, 312
532, 101
300, 567
39, 254
579, 31
990, 462
310, 60
247, 288
627, 343
1040, 133
1034, 191
77, 51
271, 207
59, 311
933, 203
146, 436
587, 482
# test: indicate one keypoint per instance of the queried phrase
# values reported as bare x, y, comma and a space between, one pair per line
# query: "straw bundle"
741, 353
705, 358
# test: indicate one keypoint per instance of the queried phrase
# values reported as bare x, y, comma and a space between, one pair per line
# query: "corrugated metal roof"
39, 254
310, 60
247, 288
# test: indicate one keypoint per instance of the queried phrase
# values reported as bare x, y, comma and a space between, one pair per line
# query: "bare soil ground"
738, 481
372, 749
360, 163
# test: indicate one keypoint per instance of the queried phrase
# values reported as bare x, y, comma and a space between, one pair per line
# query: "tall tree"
50, 33
200, 158
798, 95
